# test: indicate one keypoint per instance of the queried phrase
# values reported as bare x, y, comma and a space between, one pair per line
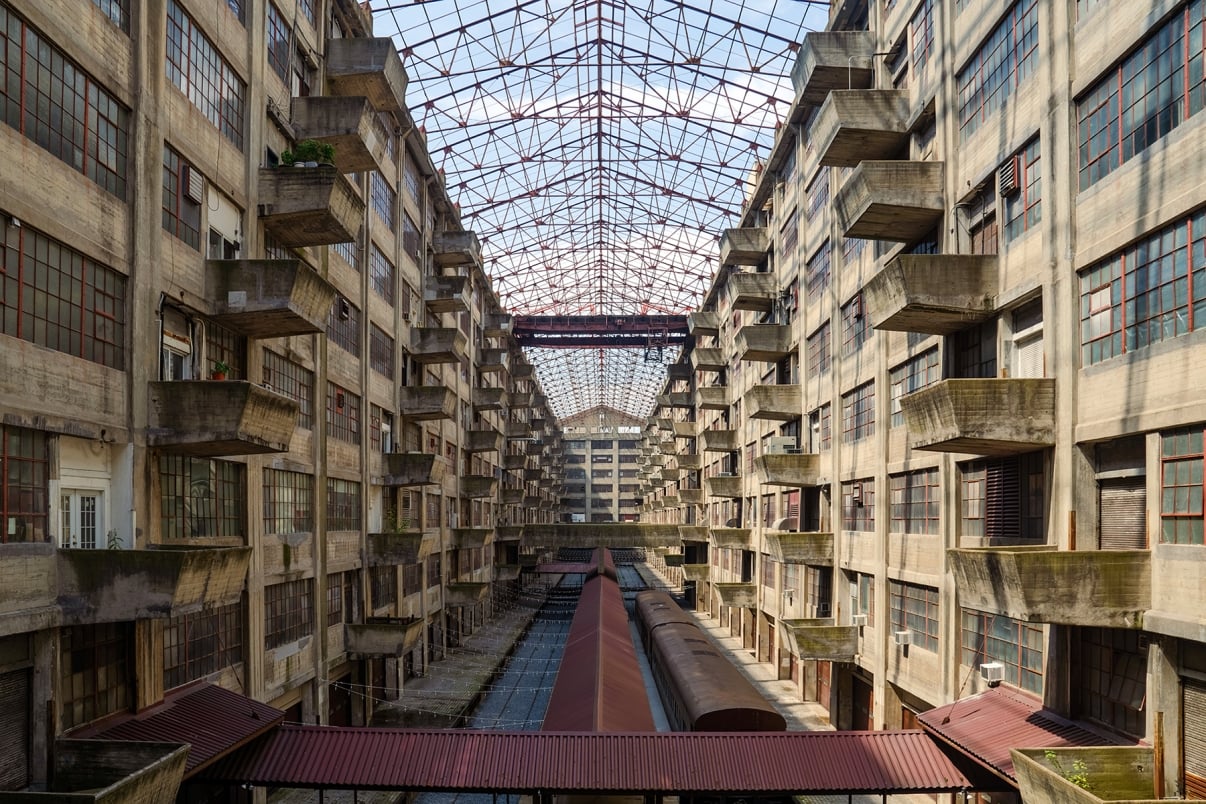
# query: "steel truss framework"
598, 147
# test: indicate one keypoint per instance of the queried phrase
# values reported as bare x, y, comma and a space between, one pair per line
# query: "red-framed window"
1181, 486
858, 413
916, 372
288, 502
818, 351
202, 498
291, 380
206, 79
383, 200
1023, 209
921, 37
1006, 58
278, 43
915, 608
181, 214
916, 502
858, 505
288, 612
118, 12
1015, 644
24, 484
196, 645
817, 198
343, 414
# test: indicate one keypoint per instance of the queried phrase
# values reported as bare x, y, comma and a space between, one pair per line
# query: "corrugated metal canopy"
519, 762
985, 726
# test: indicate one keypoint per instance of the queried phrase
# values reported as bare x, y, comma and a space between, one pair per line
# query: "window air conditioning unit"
823, 610
859, 619
1008, 176
856, 494
781, 445
194, 184
903, 637
856, 306
993, 673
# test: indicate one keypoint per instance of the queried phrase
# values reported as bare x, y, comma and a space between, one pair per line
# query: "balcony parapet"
815, 549
214, 418
697, 572
423, 403
309, 206
494, 361
830, 60
413, 469
764, 343
368, 67
737, 595
476, 487
732, 538
899, 201
485, 439
780, 403
719, 440
268, 298
437, 345
508, 533
753, 291
712, 397
679, 371
938, 294
396, 548
995, 416
446, 294
382, 636
489, 399
691, 496
703, 324
498, 325
853, 126
452, 249
471, 538
689, 460
819, 639
790, 470
345, 123
708, 359
744, 246
465, 594
694, 533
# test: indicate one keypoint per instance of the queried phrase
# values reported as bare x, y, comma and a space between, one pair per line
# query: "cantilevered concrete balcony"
764, 343
697, 572
112, 771
815, 549
507, 572
465, 594
938, 294
518, 430
512, 496
832, 60
708, 359
511, 461
450, 249
788, 470
309, 206
694, 533
508, 533
900, 201
471, 538
367, 68
522, 371
679, 371
120, 585
437, 345
484, 440
744, 246
489, 399
478, 487
691, 496
689, 460
413, 469
686, 429
424, 403
657, 459
853, 126
704, 324
719, 440
819, 639
779, 403
1100, 588
533, 473
669, 473
677, 399
345, 123
712, 397
493, 361
737, 595
519, 399
498, 325
268, 298
732, 538
400, 547
212, 418
982, 416
446, 294
756, 291
382, 637
665, 423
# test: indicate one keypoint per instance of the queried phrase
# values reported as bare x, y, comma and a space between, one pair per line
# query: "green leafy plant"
1077, 775
112, 540
309, 151
392, 523
220, 370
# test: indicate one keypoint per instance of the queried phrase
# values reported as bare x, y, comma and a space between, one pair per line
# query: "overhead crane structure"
600, 331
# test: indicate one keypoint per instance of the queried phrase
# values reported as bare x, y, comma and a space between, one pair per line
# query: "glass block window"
288, 502
288, 612
196, 68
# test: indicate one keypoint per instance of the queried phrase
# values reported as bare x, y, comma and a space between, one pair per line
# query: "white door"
82, 522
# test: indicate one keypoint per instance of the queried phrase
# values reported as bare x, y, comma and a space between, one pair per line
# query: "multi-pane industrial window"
278, 43
790, 235
817, 351
976, 351
201, 498
383, 586
343, 414
1111, 678
381, 352
25, 476
862, 595
770, 572
343, 597
288, 612
410, 237
349, 252
381, 427
858, 413
293, 381
916, 372
921, 35
227, 346
343, 326
96, 671
817, 274
47, 98
818, 195
196, 645
1160, 85
1152, 291
343, 504
381, 275
858, 505
916, 501
996, 638
915, 608
856, 329
55, 297
820, 428
118, 12
1003, 497
1181, 461
1005, 59
852, 249
199, 71
1023, 209
384, 199
181, 213
288, 502
410, 179
434, 570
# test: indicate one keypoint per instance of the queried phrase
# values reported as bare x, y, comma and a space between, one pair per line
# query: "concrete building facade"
602, 461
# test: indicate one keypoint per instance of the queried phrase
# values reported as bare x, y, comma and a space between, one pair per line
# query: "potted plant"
220, 370
309, 153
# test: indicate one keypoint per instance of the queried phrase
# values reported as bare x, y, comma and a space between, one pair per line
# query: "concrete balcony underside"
753, 291
488, 398
694, 533
471, 538
719, 440
899, 201
451, 249
212, 418
708, 359
713, 397
764, 343
982, 416
789, 470
494, 361
696, 572
347, 123
831, 60
704, 324
465, 594
413, 469
477, 487
1105, 588
679, 371
498, 325
507, 572
937, 294
853, 126
369, 68
724, 486
484, 440
437, 345
446, 294
402, 547
744, 246
309, 206
819, 639
737, 595
734, 538
518, 430
691, 496
689, 460
382, 637
425, 403
119, 585
512, 496
268, 298
815, 549
780, 403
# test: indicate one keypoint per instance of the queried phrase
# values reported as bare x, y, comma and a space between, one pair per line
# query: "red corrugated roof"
749, 762
212, 720
986, 726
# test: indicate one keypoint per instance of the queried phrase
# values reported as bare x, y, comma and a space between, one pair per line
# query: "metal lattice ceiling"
598, 148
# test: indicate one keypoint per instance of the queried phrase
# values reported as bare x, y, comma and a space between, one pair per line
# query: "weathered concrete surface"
370, 68
309, 206
437, 344
268, 298
446, 294
407, 547
212, 418
900, 201
427, 402
782, 403
997, 416
788, 470
450, 249
347, 124
819, 639
764, 343
855, 125
937, 294
830, 60
414, 469
383, 637
801, 548
744, 246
